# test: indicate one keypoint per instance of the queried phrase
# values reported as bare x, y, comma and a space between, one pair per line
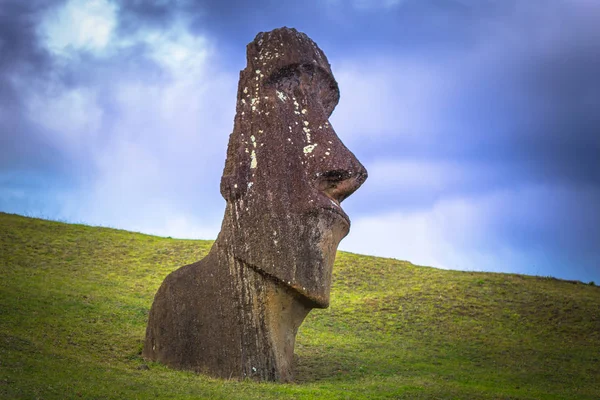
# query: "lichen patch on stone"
309, 149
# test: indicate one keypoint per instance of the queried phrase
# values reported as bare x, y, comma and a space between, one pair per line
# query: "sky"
478, 120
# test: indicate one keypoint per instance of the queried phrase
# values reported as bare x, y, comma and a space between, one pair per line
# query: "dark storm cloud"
537, 108
29, 69
46, 152
565, 94
24, 66
20, 50
528, 111
510, 153
525, 99
338, 26
137, 15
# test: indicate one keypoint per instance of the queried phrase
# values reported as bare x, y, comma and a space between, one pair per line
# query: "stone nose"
339, 183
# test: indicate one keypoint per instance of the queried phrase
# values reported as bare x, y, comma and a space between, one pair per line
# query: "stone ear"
234, 182
231, 188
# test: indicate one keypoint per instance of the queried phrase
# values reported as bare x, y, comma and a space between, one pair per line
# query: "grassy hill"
74, 302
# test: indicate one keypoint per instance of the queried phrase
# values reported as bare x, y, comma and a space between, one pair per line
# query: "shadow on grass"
341, 365
322, 367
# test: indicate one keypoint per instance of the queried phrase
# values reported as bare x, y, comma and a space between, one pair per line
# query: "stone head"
287, 171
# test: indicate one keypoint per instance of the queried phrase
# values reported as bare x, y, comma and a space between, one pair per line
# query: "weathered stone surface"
236, 312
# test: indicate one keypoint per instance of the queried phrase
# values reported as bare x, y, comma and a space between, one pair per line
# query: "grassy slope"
74, 301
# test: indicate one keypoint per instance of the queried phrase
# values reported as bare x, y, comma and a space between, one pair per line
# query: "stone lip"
235, 313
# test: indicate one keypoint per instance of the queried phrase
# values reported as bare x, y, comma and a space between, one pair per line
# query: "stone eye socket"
310, 79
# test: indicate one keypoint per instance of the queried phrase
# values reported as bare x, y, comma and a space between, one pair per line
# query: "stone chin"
332, 227
295, 255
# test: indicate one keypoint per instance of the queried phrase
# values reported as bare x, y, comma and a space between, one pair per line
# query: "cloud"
165, 157
395, 98
142, 114
80, 121
483, 156
364, 5
24, 66
161, 163
521, 93
139, 189
419, 183
79, 25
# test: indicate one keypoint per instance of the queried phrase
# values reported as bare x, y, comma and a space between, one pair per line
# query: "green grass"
74, 302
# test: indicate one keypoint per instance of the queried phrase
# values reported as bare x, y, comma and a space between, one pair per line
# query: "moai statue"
235, 313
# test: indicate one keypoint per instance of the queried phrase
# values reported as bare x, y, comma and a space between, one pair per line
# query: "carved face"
287, 171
